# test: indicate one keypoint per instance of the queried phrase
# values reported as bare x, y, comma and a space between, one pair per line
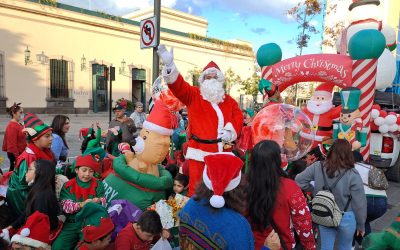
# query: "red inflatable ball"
398, 121
374, 127
383, 113
376, 106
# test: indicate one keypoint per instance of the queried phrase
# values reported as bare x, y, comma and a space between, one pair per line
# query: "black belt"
205, 141
325, 128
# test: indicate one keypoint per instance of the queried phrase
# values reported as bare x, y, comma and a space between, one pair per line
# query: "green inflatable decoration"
264, 84
269, 54
367, 44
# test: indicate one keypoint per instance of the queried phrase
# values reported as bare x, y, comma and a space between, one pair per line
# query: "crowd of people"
238, 195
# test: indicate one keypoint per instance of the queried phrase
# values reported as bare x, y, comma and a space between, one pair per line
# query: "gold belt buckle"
314, 128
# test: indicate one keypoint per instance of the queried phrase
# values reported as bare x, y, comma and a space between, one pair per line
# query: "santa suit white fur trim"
196, 154
232, 184
29, 151
311, 136
170, 73
322, 93
29, 241
220, 76
220, 124
156, 128
230, 128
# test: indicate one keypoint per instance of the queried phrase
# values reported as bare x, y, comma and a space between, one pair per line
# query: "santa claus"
215, 118
321, 113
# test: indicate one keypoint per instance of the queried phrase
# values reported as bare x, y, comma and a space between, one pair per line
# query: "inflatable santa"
215, 118
321, 113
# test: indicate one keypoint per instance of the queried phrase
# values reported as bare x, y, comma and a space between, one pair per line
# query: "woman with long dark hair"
41, 196
14, 142
60, 126
348, 192
275, 202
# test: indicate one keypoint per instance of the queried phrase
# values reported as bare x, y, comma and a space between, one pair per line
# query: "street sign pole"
157, 14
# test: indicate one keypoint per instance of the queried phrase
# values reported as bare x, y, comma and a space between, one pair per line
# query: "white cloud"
314, 23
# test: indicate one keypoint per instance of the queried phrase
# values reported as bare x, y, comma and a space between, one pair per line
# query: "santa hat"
85, 133
160, 120
88, 161
222, 173
35, 232
96, 222
211, 67
357, 3
34, 127
324, 89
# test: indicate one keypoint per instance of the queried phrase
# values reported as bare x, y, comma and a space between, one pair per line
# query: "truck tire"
393, 173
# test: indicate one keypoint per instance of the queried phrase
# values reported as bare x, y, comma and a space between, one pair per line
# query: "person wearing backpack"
339, 189
374, 191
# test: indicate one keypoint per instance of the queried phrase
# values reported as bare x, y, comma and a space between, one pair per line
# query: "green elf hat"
34, 127
250, 112
95, 222
386, 239
96, 152
350, 99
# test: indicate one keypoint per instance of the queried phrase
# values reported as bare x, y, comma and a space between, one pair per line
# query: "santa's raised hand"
167, 57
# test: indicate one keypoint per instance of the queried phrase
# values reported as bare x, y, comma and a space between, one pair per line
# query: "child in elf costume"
350, 127
97, 227
39, 136
138, 177
75, 194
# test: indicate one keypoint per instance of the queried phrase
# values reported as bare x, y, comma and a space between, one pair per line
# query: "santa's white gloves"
167, 57
5, 234
226, 135
169, 72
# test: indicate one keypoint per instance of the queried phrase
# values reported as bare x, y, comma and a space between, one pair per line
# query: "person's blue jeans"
344, 233
376, 207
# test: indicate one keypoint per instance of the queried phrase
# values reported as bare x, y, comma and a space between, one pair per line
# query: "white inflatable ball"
390, 119
379, 121
374, 113
386, 70
384, 129
389, 33
393, 127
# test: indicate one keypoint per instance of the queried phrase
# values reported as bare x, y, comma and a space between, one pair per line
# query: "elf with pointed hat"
350, 127
271, 93
97, 227
34, 234
75, 195
138, 177
212, 219
215, 117
39, 137
321, 112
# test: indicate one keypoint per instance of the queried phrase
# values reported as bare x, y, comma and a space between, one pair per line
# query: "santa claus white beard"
212, 90
318, 108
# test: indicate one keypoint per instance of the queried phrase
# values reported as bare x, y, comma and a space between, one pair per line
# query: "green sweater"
142, 190
18, 189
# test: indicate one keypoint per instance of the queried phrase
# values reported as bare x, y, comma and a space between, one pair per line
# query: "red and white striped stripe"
266, 72
364, 78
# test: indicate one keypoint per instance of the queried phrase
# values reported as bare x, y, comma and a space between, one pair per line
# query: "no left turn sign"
148, 33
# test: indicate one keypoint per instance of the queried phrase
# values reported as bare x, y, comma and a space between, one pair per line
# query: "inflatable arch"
356, 70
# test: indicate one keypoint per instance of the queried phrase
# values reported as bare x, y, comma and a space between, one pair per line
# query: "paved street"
80, 121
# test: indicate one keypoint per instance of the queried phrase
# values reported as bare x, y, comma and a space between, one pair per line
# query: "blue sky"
256, 21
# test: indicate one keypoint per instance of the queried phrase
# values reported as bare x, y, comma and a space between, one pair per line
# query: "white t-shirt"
363, 170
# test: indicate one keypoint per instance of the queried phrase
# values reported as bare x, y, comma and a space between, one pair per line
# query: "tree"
332, 32
231, 79
303, 13
250, 85
194, 74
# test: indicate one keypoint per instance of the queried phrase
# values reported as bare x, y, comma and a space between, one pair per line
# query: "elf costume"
17, 186
96, 224
73, 193
350, 127
139, 178
386, 239
35, 233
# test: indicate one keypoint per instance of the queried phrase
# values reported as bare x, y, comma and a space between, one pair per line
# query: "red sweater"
14, 139
291, 211
128, 239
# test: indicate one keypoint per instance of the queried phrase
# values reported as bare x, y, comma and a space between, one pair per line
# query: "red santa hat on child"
88, 161
222, 173
160, 120
324, 89
35, 233
211, 68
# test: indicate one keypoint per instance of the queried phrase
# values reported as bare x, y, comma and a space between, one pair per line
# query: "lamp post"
83, 63
122, 68
27, 54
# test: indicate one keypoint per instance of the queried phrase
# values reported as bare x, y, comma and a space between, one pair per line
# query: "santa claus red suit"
321, 113
215, 118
